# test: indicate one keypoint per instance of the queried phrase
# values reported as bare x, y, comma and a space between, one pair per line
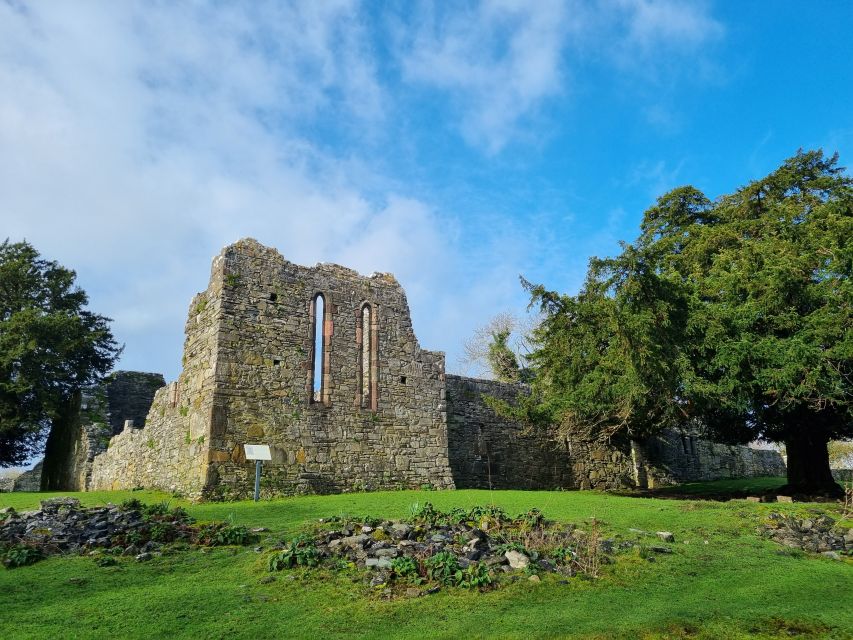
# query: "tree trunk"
58, 448
808, 465
638, 458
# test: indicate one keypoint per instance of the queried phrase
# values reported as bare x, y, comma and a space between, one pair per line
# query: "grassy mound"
722, 580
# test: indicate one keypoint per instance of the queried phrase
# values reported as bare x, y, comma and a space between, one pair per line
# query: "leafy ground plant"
219, 534
20, 555
300, 552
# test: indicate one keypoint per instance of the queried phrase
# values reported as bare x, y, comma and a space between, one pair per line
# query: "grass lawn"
735, 586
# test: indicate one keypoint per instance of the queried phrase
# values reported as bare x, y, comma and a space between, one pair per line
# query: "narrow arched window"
318, 349
368, 370
365, 355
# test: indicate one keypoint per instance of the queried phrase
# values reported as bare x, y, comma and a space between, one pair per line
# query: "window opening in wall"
402, 379
276, 363
684, 444
273, 297
366, 352
319, 354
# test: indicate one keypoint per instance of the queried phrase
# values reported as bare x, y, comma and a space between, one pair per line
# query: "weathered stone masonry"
247, 378
369, 410
93, 418
488, 451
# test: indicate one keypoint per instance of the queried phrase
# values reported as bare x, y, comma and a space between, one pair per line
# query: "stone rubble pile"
547, 547
818, 534
63, 526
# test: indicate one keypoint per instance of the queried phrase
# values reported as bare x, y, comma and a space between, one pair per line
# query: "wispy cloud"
655, 177
139, 138
500, 58
670, 24
502, 61
138, 142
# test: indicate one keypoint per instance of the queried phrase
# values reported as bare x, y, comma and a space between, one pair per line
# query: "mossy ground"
735, 586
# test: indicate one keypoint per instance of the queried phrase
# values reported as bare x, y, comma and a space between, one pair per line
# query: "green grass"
735, 586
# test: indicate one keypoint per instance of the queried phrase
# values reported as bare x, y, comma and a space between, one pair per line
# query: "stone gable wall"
263, 383
247, 380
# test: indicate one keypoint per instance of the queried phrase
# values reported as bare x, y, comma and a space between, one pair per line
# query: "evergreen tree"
50, 347
738, 313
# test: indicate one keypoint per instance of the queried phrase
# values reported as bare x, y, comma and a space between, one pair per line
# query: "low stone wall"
685, 457
29, 480
489, 451
164, 455
94, 416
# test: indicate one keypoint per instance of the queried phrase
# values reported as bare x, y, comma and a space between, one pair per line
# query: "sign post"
258, 453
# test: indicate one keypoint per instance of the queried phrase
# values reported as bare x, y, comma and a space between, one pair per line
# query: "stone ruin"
323, 365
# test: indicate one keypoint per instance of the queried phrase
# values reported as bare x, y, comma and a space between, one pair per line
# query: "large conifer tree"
736, 313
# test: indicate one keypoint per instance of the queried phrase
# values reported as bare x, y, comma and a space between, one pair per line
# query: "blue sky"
456, 145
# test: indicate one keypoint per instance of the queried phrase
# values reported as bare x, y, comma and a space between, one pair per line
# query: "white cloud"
652, 23
501, 58
659, 39
136, 139
656, 177
138, 142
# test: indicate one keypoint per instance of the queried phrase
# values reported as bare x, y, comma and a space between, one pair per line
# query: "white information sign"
257, 452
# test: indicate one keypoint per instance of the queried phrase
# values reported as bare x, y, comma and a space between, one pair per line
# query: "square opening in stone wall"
273, 297
402, 379
276, 363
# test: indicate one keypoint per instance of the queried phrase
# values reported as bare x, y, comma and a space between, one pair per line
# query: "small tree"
50, 348
499, 349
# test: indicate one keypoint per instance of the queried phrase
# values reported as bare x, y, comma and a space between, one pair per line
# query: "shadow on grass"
718, 490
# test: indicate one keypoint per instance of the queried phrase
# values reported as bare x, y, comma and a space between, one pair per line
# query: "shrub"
132, 505
488, 517
163, 532
154, 511
563, 555
20, 556
106, 561
532, 519
180, 515
511, 546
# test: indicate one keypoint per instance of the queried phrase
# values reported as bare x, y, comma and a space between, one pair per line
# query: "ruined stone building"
323, 365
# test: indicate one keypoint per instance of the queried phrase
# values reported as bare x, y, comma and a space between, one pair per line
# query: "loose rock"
517, 560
